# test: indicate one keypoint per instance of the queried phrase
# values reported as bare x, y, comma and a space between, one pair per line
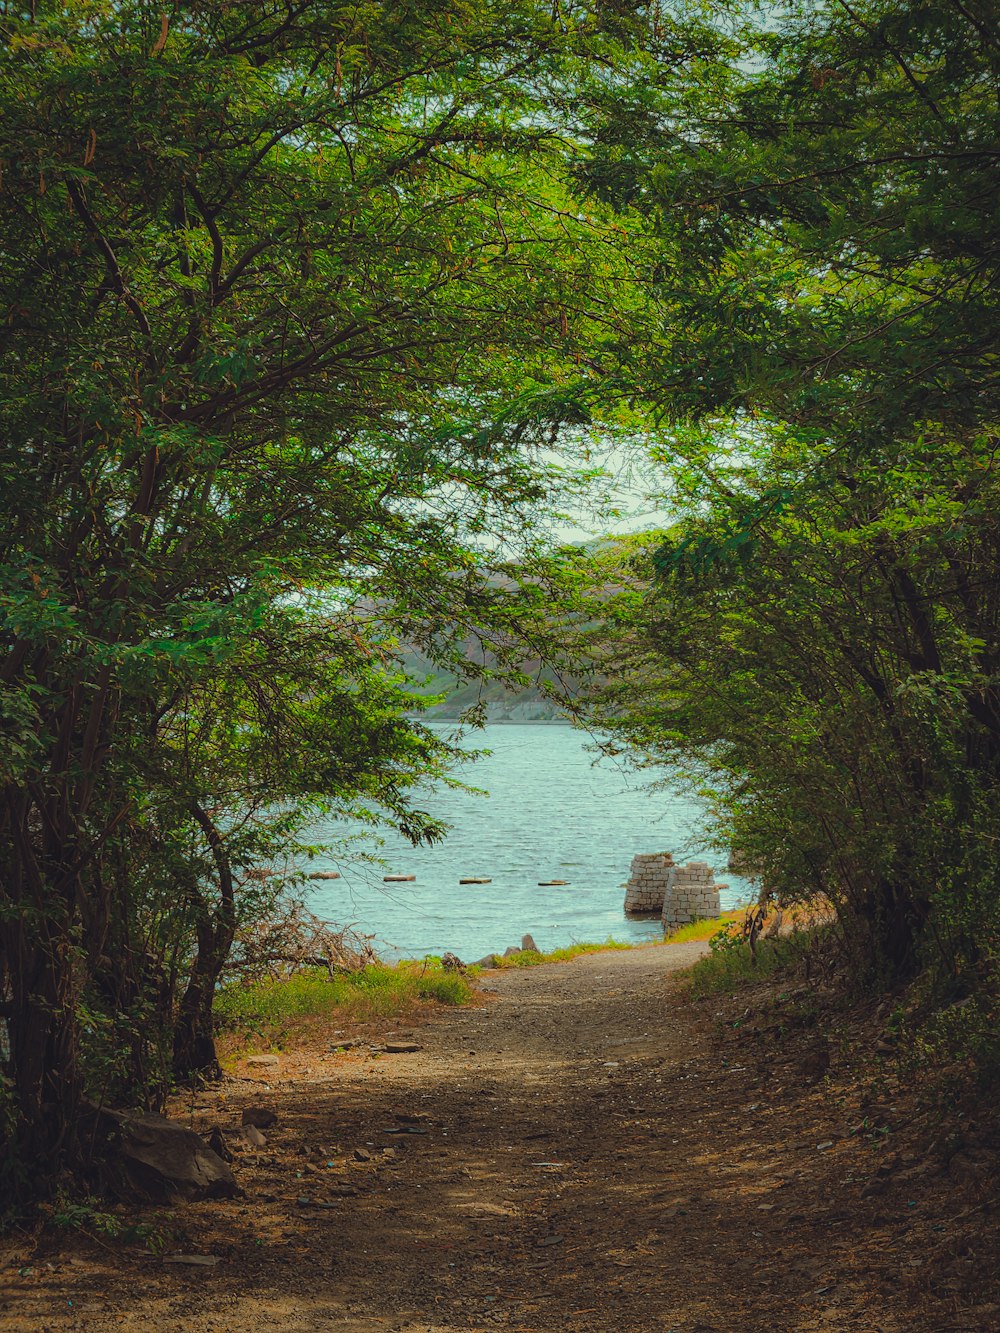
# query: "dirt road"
574, 1154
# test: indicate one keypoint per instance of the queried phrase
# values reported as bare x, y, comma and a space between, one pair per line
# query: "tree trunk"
43, 1061
893, 919
194, 1033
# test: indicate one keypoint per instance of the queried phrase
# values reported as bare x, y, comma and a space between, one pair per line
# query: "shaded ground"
584, 1152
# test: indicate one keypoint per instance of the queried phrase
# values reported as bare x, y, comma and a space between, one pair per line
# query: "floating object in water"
325, 874
398, 879
475, 879
551, 883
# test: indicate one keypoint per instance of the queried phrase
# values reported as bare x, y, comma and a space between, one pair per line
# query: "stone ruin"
677, 894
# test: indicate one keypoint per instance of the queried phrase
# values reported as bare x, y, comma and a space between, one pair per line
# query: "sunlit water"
551, 813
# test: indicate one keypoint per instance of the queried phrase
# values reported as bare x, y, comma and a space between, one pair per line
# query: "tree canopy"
818, 643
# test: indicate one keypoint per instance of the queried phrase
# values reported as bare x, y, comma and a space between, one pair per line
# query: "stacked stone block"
691, 894
677, 894
647, 885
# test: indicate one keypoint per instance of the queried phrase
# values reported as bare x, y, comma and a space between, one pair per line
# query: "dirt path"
574, 1154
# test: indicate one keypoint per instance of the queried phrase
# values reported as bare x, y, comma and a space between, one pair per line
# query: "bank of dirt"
586, 1149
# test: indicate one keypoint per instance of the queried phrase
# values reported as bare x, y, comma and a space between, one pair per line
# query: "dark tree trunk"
43, 1060
894, 918
194, 1033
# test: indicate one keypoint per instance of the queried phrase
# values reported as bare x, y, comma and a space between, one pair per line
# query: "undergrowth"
90, 1218
731, 962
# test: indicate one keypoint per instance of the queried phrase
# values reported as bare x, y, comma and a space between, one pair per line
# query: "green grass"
697, 930
270, 1008
533, 957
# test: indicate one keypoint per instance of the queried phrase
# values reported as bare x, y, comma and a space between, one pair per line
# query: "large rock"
162, 1160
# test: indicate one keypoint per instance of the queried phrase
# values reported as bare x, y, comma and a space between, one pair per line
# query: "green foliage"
86, 1215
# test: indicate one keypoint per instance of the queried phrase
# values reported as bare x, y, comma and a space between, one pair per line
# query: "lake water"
551, 813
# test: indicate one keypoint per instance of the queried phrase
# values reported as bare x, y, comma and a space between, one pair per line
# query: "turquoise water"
551, 813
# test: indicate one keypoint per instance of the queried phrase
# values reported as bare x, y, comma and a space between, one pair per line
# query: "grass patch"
269, 1009
533, 957
705, 928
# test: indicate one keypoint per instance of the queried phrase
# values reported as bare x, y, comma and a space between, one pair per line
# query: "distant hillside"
527, 704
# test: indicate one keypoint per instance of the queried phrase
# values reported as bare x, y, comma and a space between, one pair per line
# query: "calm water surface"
551, 813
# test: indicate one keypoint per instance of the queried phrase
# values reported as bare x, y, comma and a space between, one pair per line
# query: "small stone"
252, 1135
261, 1117
401, 1047
362, 1155
348, 1044
193, 1260
263, 1061
527, 943
217, 1142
